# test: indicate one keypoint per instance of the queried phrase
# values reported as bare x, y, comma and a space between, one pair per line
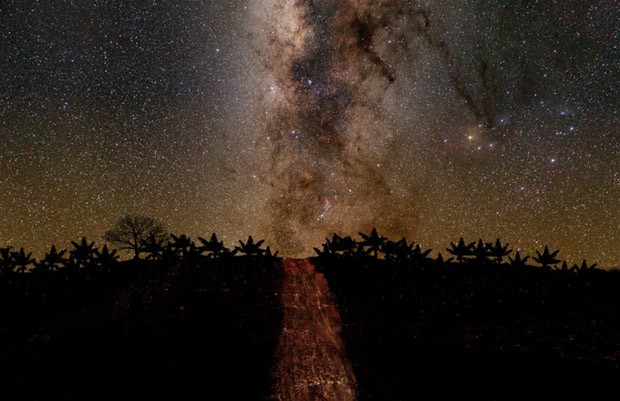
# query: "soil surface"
310, 361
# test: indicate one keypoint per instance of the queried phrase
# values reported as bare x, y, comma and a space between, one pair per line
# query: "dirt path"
310, 361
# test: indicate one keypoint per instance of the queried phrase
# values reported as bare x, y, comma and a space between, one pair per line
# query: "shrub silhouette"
52, 261
7, 263
373, 242
547, 259
460, 250
154, 247
214, 248
480, 253
183, 246
22, 260
250, 248
441, 263
518, 262
340, 247
105, 258
418, 255
498, 251
269, 254
82, 254
399, 251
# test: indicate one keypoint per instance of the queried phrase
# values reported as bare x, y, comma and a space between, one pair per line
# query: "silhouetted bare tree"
131, 232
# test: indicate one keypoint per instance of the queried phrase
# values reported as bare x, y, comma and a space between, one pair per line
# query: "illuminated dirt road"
311, 364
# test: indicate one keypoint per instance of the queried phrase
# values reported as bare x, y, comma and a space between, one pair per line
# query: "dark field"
430, 330
478, 332
141, 331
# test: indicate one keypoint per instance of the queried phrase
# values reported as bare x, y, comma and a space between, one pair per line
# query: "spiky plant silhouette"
441, 263
22, 260
251, 248
340, 247
105, 258
498, 251
547, 258
270, 254
460, 250
82, 254
53, 260
214, 248
399, 251
154, 247
344, 245
183, 245
518, 262
584, 266
480, 253
418, 255
373, 241
7, 263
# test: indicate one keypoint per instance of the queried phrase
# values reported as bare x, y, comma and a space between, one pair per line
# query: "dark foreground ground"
484, 333
142, 332
212, 328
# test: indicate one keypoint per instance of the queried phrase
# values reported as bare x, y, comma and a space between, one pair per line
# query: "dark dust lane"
311, 363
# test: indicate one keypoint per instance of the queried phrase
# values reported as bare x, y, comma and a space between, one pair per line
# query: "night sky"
292, 119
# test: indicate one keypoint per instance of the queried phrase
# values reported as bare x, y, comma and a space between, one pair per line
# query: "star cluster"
290, 120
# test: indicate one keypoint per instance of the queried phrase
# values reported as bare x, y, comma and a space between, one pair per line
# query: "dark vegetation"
186, 319
484, 324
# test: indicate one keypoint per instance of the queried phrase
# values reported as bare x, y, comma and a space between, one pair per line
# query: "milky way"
328, 85
329, 66
290, 120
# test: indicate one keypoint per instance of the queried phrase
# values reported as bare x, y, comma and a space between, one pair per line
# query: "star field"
290, 120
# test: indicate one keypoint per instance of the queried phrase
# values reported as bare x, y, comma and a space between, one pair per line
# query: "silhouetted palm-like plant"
7, 263
154, 247
52, 261
547, 259
480, 252
584, 266
343, 245
270, 254
518, 262
105, 258
214, 248
418, 255
183, 245
461, 250
339, 247
82, 254
399, 251
498, 251
251, 248
374, 242
22, 260
441, 263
